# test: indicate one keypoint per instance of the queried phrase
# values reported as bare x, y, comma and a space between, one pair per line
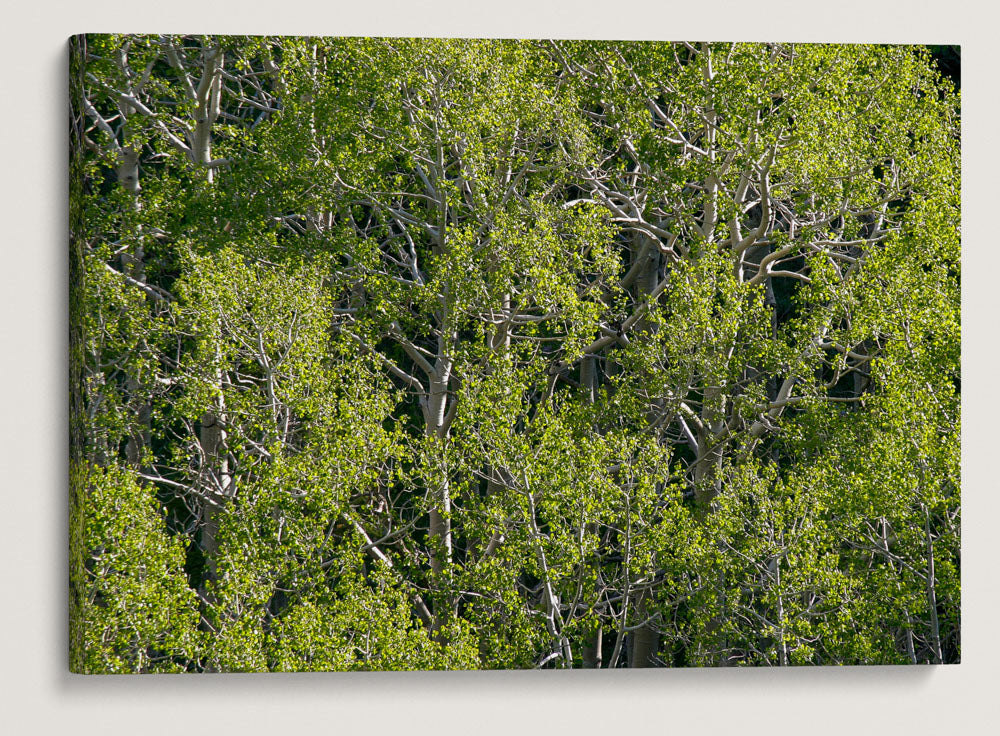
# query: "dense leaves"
410, 354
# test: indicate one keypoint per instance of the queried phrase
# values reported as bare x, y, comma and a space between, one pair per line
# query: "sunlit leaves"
530, 293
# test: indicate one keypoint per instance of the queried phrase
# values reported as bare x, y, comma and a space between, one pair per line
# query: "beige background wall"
38, 696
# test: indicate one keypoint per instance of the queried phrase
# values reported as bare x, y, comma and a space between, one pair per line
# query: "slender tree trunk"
645, 641
708, 466
935, 636
434, 427
593, 654
499, 344
208, 107
217, 490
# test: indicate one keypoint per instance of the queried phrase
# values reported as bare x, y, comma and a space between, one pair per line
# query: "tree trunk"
216, 491
434, 427
645, 641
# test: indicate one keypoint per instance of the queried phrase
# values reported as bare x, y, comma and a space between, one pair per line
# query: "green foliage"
445, 353
138, 615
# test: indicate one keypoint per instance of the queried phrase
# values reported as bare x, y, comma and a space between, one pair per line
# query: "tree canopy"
449, 353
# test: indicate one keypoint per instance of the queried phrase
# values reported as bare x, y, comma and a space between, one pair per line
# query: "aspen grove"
398, 353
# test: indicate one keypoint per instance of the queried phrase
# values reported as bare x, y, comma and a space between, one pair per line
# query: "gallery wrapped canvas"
394, 353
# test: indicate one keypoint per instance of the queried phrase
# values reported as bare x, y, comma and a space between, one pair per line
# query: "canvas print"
406, 354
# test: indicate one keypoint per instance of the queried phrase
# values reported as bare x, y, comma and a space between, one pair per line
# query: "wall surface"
40, 696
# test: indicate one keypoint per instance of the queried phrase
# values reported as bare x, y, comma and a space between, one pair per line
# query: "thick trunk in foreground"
645, 641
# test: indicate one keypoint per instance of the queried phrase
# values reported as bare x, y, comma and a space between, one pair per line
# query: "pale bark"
645, 640
206, 112
935, 634
434, 406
